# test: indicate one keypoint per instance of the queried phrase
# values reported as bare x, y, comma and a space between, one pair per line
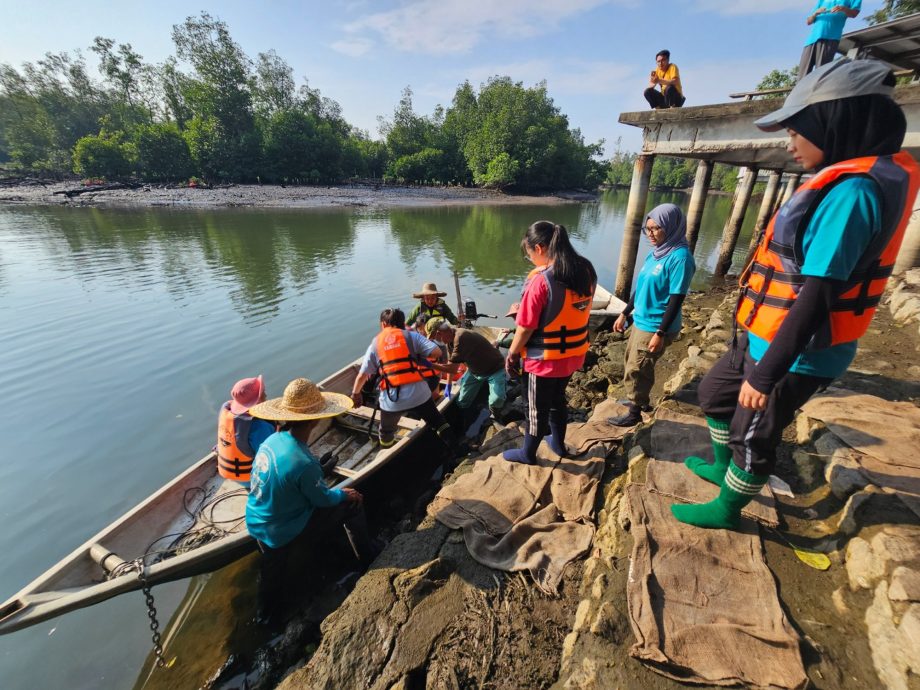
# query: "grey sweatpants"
816, 54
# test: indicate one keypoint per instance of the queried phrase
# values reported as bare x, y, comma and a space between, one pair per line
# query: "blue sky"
594, 54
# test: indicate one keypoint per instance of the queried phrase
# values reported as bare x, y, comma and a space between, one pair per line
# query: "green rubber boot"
713, 472
738, 489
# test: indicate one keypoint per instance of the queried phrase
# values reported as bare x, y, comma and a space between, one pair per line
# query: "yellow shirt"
671, 74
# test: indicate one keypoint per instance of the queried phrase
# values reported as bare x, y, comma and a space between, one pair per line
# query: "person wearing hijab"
655, 306
813, 283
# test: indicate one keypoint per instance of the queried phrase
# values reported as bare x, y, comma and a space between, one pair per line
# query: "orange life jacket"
234, 458
772, 280
563, 328
398, 366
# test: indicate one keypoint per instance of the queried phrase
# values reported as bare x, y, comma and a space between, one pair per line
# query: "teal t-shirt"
286, 485
828, 26
658, 279
844, 223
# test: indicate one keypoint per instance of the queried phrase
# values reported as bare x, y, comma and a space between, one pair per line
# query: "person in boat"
402, 360
239, 435
289, 505
654, 306
826, 21
484, 365
815, 279
551, 334
430, 306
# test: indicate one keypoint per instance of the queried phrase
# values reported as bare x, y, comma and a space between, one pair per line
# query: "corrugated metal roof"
896, 42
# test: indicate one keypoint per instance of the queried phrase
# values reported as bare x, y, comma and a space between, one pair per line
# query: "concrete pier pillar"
635, 214
698, 201
909, 256
735, 219
792, 183
766, 205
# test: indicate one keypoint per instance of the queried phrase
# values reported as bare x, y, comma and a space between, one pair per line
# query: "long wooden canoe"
104, 566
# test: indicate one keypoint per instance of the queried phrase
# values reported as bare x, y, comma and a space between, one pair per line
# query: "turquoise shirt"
286, 485
658, 280
828, 25
840, 230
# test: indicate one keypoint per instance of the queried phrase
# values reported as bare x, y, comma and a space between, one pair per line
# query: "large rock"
909, 309
905, 584
863, 569
843, 473
887, 654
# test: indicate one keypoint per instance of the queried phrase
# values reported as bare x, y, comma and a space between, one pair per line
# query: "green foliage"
162, 153
778, 79
102, 155
892, 9
426, 165
502, 171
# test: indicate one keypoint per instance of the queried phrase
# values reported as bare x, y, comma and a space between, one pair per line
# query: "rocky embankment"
428, 615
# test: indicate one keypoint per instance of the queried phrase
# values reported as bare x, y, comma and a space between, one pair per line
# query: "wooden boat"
604, 308
173, 539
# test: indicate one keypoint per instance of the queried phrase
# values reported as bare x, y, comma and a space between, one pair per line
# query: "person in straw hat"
430, 306
287, 492
239, 434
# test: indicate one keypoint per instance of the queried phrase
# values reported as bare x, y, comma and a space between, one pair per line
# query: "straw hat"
302, 400
429, 289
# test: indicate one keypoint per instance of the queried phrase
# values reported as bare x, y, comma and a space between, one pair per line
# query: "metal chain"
152, 614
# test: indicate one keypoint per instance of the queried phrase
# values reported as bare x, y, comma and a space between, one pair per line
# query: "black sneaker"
631, 417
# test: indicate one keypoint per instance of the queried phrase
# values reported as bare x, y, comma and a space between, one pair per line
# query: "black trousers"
671, 98
753, 434
323, 522
546, 403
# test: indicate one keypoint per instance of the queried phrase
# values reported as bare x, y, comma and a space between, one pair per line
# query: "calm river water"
123, 331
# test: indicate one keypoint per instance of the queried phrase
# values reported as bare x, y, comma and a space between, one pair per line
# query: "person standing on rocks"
816, 277
655, 306
551, 334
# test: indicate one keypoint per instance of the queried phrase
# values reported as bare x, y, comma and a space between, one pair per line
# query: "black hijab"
852, 127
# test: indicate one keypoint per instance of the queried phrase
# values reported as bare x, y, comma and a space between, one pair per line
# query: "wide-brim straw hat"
429, 289
302, 401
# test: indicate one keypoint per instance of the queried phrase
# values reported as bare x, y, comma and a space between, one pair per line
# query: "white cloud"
354, 47
743, 7
566, 76
441, 27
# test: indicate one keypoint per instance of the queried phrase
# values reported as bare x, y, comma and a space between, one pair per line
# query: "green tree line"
213, 112
668, 173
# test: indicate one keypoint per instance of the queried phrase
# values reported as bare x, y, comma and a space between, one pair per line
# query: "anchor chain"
151, 614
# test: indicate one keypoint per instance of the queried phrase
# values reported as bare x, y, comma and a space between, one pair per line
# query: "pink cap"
246, 393
514, 309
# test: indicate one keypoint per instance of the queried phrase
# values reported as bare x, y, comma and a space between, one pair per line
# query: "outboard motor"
470, 312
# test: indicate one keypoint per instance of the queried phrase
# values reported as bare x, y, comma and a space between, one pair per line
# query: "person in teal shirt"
815, 280
288, 493
655, 306
826, 21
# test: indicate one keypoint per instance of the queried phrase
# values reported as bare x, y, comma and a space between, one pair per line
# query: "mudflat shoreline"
275, 196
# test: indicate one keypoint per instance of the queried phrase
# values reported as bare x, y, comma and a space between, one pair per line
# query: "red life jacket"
398, 366
563, 327
234, 459
772, 280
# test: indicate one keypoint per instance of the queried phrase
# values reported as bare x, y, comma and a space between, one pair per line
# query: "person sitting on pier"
485, 365
400, 357
289, 504
666, 76
239, 435
655, 306
431, 305
826, 21
816, 277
